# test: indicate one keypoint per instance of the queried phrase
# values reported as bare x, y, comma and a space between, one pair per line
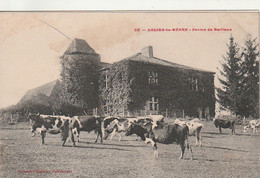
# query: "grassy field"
221, 155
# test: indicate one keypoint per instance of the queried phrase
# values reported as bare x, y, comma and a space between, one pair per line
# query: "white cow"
253, 124
194, 129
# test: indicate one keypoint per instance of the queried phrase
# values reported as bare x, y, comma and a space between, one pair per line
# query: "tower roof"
79, 46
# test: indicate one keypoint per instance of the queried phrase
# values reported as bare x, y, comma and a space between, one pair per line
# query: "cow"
221, 123
164, 133
51, 124
195, 128
112, 125
253, 124
88, 124
154, 119
115, 125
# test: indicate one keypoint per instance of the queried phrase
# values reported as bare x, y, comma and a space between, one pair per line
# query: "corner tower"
79, 74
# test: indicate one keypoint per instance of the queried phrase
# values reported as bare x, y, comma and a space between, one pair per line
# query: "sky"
30, 49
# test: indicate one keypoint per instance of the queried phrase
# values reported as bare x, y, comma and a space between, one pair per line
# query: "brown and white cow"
253, 124
195, 128
87, 124
43, 124
164, 133
224, 123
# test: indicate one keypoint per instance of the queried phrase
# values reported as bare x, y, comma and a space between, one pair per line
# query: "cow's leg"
198, 137
189, 148
78, 136
64, 141
119, 137
187, 145
200, 140
72, 138
43, 134
105, 135
101, 138
155, 151
220, 130
254, 128
97, 138
182, 150
113, 134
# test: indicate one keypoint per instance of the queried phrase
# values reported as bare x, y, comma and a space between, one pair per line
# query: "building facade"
143, 84
138, 85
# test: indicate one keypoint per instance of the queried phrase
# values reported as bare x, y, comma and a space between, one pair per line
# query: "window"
193, 84
106, 80
154, 104
153, 77
203, 88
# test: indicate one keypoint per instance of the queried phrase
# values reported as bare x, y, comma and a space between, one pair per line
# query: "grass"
221, 155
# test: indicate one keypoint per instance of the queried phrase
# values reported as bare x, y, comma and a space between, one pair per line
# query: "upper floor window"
202, 88
153, 77
154, 104
193, 84
106, 81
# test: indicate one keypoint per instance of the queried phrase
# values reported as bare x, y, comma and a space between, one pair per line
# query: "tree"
228, 95
250, 71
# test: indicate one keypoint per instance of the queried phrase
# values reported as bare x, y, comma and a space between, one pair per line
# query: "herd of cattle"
150, 129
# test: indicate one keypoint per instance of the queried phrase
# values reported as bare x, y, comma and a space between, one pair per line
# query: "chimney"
147, 51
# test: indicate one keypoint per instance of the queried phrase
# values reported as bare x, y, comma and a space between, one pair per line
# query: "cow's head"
246, 128
35, 123
130, 129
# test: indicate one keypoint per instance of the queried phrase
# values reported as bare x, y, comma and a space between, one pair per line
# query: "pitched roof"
141, 58
46, 89
79, 46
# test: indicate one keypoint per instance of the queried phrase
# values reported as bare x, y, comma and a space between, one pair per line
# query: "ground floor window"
154, 104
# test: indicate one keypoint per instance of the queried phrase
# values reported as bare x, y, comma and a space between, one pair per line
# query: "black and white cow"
87, 124
51, 124
253, 124
154, 119
114, 125
164, 133
221, 123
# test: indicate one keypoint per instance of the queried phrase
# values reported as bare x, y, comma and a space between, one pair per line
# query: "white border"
61, 5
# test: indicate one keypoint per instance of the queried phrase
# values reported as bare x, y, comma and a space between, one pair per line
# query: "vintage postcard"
129, 94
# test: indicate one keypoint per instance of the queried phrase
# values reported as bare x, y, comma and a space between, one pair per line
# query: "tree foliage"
114, 89
79, 80
239, 79
250, 71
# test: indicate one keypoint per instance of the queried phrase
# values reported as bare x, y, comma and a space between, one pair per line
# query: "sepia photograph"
129, 94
